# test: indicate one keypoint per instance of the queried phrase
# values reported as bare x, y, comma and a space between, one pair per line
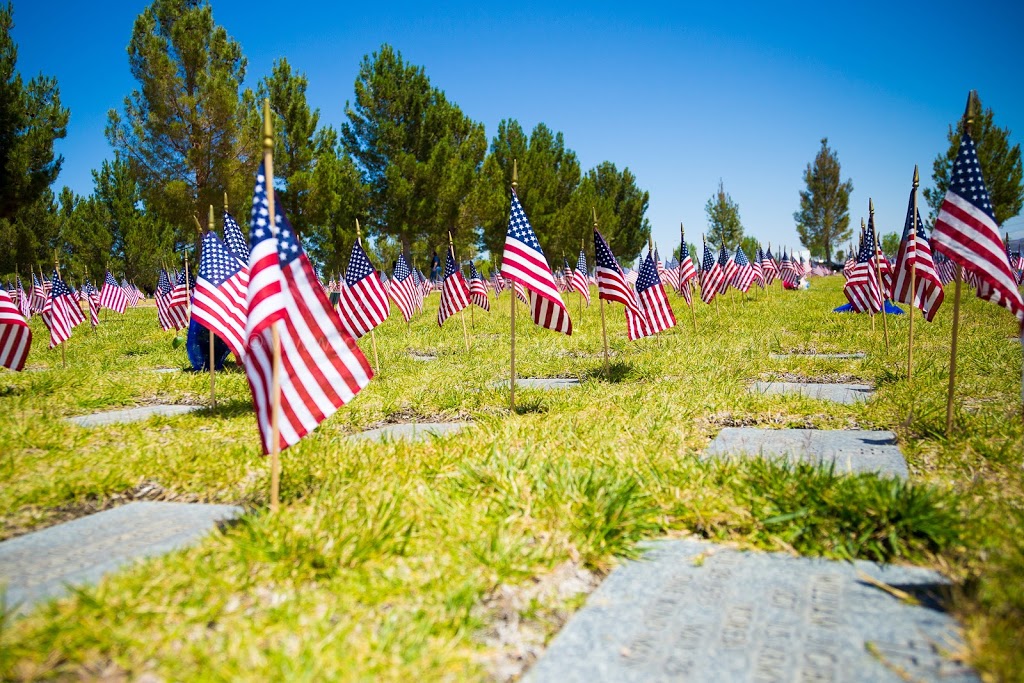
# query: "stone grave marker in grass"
544, 383
131, 415
694, 611
840, 393
41, 564
856, 355
421, 431
850, 450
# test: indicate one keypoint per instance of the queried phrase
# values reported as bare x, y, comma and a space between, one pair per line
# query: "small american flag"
175, 318
321, 366
769, 266
219, 300
612, 286
112, 296
787, 270
523, 262
62, 313
454, 292
727, 262
744, 276
181, 294
15, 335
711, 276
652, 297
24, 304
363, 304
687, 273
966, 231
862, 290
131, 292
38, 295
883, 265
478, 289
499, 283
928, 293
403, 290
579, 281
234, 238
756, 266
93, 296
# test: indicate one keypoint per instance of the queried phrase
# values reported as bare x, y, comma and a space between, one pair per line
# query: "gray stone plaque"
131, 415
694, 611
825, 356
840, 393
165, 371
42, 564
412, 431
541, 383
425, 357
850, 450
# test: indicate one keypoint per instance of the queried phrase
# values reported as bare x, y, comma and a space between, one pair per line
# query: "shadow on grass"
530, 406
232, 408
617, 372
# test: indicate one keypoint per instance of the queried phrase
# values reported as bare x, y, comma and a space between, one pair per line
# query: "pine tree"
1000, 166
823, 220
724, 226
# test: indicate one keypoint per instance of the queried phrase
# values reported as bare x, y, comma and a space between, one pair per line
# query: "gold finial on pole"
268, 128
917, 183
210, 221
199, 226
594, 209
226, 201
968, 119
515, 174
359, 233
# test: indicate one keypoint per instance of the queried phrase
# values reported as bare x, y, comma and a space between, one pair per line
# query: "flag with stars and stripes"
219, 300
727, 262
170, 318
612, 286
863, 290
403, 290
182, 292
112, 296
24, 304
363, 303
61, 313
15, 335
756, 267
687, 272
321, 367
235, 240
744, 275
711, 276
454, 292
579, 282
787, 271
883, 265
499, 283
916, 254
668, 276
132, 293
653, 300
93, 296
478, 289
523, 262
966, 231
38, 295
770, 267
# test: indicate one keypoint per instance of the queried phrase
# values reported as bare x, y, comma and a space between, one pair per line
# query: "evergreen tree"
724, 226
749, 244
337, 197
1000, 166
890, 244
31, 119
823, 220
181, 131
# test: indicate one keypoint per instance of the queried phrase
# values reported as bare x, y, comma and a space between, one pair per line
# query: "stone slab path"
694, 611
421, 431
840, 393
851, 450
40, 565
131, 415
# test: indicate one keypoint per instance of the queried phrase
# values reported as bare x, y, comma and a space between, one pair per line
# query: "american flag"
93, 296
966, 231
862, 290
61, 313
928, 293
744, 276
454, 291
943, 267
112, 296
321, 367
15, 335
520, 293
770, 267
403, 290
851, 261
756, 265
478, 289
612, 286
711, 276
652, 296
363, 303
499, 283
727, 262
788, 272
182, 291
884, 267
170, 318
668, 276
38, 295
687, 273
23, 303
219, 300
579, 282
131, 292
235, 240
523, 262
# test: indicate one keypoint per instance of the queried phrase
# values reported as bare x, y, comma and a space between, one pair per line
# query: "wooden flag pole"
462, 313
957, 277
878, 270
213, 337
373, 335
512, 308
604, 328
912, 254
275, 335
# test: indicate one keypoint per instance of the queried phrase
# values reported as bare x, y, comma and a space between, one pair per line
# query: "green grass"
382, 555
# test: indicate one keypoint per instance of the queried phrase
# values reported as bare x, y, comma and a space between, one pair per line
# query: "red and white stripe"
15, 335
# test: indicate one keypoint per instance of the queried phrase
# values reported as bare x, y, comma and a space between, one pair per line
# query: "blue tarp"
889, 308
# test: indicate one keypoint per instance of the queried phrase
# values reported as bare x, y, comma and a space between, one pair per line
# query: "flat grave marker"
164, 371
415, 431
839, 393
544, 383
695, 611
850, 450
856, 355
131, 415
39, 565
422, 357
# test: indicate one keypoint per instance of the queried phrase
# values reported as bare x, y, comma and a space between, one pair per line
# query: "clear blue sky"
682, 95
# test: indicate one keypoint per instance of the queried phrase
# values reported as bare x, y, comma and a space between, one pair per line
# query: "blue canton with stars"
401, 269
59, 288
723, 256
603, 254
110, 280
648, 276
359, 266
741, 258
581, 262
217, 264
966, 180
921, 233
449, 262
234, 238
867, 244
519, 226
708, 261
163, 284
288, 248
473, 273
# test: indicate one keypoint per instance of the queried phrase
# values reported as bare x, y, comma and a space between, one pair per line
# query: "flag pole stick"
462, 313
275, 336
957, 277
878, 270
604, 328
373, 335
213, 337
512, 309
913, 276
